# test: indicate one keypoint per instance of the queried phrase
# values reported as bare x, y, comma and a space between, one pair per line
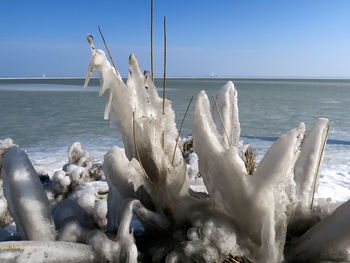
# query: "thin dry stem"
164, 79
136, 148
164, 76
236, 259
152, 66
181, 125
318, 169
109, 53
222, 121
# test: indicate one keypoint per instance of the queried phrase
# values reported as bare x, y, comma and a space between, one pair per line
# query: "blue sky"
296, 38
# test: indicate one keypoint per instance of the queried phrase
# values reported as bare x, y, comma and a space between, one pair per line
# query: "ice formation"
306, 174
27, 200
326, 241
89, 212
149, 135
265, 201
262, 200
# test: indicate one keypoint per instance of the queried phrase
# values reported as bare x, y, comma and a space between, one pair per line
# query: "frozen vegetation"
155, 200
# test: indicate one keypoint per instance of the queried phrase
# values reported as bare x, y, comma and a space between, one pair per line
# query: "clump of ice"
211, 238
81, 168
100, 213
78, 156
257, 204
27, 201
306, 174
60, 182
149, 135
87, 193
326, 241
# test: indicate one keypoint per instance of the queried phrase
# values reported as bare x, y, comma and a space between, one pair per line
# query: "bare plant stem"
181, 125
222, 121
109, 53
164, 76
318, 169
136, 148
152, 66
164, 80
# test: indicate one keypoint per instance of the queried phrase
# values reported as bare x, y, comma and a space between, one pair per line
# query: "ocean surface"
45, 116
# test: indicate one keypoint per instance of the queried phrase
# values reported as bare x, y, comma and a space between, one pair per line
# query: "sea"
44, 116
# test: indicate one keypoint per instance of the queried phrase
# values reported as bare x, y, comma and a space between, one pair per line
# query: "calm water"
46, 116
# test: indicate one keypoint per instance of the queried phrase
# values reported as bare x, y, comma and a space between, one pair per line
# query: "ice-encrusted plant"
253, 211
149, 136
262, 205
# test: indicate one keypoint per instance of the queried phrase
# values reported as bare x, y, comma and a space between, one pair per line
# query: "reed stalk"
164, 76
222, 121
318, 169
181, 125
109, 53
164, 80
136, 148
152, 66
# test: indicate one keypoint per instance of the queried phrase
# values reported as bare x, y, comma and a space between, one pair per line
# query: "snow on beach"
334, 181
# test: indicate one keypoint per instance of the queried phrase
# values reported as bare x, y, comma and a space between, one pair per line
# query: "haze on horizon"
228, 38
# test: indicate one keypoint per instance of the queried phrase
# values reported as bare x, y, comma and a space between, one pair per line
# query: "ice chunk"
226, 99
60, 182
326, 241
258, 204
100, 212
308, 165
27, 201
149, 135
78, 156
306, 173
87, 193
71, 220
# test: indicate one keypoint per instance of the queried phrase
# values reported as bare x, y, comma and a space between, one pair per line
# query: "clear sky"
300, 38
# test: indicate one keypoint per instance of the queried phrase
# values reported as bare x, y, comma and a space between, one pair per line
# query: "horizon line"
188, 77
